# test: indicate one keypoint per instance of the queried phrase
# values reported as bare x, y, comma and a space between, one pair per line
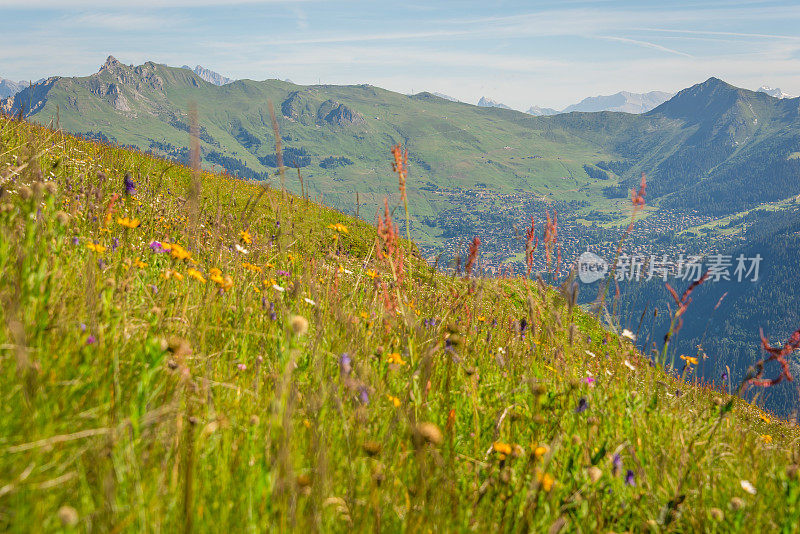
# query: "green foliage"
322, 377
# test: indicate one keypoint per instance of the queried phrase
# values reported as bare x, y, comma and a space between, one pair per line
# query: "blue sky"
520, 53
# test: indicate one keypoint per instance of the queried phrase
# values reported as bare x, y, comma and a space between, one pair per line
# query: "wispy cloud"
725, 34
644, 44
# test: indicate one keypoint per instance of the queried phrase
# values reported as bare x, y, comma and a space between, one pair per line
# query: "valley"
719, 161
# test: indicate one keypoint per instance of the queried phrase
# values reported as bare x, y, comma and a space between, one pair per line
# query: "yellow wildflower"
764, 418
540, 451
501, 448
396, 359
372, 274
766, 438
339, 228
214, 271
546, 480
394, 400
95, 247
129, 223
690, 360
140, 264
225, 282
177, 251
170, 273
245, 236
194, 273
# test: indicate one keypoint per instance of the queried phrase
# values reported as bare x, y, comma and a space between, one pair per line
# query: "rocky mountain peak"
489, 103
110, 63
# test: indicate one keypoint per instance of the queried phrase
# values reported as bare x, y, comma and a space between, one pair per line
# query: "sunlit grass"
274, 365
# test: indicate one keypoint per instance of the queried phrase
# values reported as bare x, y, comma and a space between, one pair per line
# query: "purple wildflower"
130, 185
345, 364
629, 478
363, 395
156, 247
583, 405
101, 264
724, 375
272, 314
616, 463
82, 327
91, 340
76, 240
153, 288
114, 244
242, 367
589, 381
283, 273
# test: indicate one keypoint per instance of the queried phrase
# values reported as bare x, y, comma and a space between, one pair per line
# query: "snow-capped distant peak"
488, 103
775, 92
209, 75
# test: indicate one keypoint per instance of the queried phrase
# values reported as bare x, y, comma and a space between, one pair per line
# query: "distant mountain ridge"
713, 147
773, 92
10, 87
539, 111
446, 97
623, 101
488, 103
209, 75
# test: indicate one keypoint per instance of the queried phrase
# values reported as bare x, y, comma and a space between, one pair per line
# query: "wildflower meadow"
183, 351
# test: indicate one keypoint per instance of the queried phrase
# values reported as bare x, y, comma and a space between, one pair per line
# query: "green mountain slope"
181, 351
713, 148
452, 145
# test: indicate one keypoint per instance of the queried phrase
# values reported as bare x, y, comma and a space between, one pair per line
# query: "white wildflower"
748, 487
628, 334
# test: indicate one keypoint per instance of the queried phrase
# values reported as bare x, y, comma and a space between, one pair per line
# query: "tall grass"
287, 368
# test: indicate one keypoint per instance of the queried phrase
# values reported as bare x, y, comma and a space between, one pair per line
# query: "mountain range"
776, 92
539, 111
209, 75
701, 149
723, 159
10, 88
622, 101
487, 103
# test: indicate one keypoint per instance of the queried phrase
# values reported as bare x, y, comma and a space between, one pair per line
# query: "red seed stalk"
473, 255
775, 354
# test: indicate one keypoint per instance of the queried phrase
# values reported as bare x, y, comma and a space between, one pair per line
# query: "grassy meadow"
183, 351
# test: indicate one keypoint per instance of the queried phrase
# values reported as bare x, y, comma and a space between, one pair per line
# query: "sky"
521, 53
